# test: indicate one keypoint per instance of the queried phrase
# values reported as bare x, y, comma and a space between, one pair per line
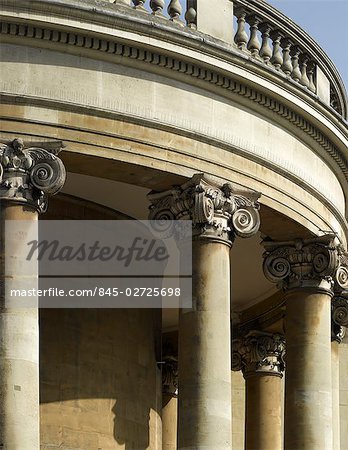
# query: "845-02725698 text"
98, 291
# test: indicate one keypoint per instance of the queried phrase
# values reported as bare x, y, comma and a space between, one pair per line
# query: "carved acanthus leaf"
170, 376
339, 317
341, 278
302, 263
215, 212
259, 352
29, 175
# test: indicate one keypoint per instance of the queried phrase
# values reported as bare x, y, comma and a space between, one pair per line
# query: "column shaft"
308, 388
335, 395
263, 430
169, 422
218, 215
19, 341
204, 353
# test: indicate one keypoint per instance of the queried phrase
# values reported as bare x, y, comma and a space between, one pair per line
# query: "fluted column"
260, 356
218, 214
169, 403
306, 269
27, 177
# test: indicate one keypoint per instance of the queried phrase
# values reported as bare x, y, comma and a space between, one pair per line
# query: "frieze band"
173, 63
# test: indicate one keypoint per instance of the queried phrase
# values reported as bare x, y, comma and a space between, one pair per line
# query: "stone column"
335, 374
170, 403
339, 320
27, 177
306, 270
217, 214
260, 356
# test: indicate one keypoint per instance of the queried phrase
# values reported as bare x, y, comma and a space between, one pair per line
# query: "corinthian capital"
341, 277
259, 353
339, 318
216, 212
309, 263
29, 175
170, 376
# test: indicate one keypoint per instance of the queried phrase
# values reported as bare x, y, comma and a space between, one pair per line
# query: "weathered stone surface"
98, 375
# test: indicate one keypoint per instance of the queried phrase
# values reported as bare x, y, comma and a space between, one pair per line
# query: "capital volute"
259, 353
341, 275
303, 263
217, 212
29, 175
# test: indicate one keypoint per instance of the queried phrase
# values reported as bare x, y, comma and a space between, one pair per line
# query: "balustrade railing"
259, 32
269, 37
182, 12
274, 47
170, 9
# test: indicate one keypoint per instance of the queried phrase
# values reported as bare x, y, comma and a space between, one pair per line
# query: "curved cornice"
125, 18
176, 64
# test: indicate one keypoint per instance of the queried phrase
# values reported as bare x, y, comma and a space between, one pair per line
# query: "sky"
325, 21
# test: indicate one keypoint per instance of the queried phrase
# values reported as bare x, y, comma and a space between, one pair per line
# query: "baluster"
296, 72
266, 50
241, 37
157, 7
254, 43
304, 78
311, 68
175, 10
287, 65
191, 17
277, 57
334, 101
139, 4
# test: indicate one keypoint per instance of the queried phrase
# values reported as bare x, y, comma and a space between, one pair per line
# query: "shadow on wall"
99, 379
131, 435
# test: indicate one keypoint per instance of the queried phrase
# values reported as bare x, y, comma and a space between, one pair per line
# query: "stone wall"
99, 384
100, 388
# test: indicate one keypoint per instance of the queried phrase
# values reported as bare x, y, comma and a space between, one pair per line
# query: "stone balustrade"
270, 37
260, 33
169, 9
266, 43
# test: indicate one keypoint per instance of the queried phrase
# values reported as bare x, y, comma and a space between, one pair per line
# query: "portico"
314, 276
224, 113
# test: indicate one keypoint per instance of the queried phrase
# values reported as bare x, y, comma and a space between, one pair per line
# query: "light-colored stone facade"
136, 110
98, 379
